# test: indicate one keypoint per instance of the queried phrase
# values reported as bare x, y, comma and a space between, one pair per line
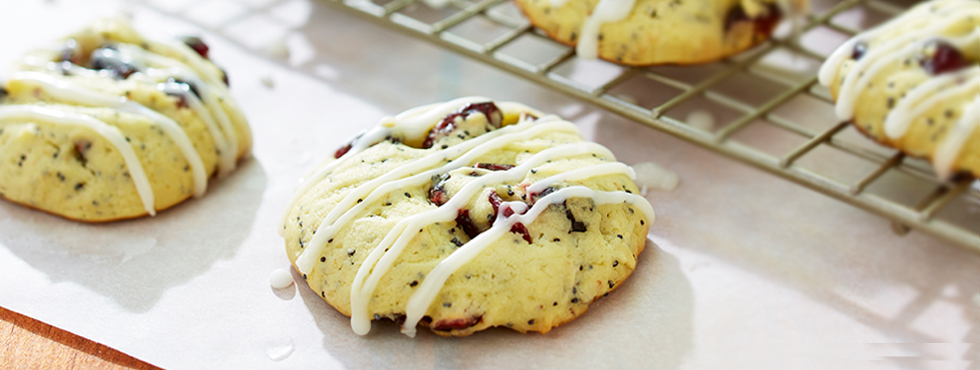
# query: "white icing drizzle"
583, 173
916, 15
922, 106
610, 11
420, 301
369, 274
69, 92
918, 30
191, 60
215, 80
949, 149
877, 59
924, 96
607, 11
190, 68
413, 126
211, 111
343, 213
108, 132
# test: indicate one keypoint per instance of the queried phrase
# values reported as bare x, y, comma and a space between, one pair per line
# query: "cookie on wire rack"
655, 32
913, 83
467, 215
109, 125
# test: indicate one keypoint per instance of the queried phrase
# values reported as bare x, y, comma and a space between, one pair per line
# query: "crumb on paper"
649, 175
268, 82
278, 49
701, 119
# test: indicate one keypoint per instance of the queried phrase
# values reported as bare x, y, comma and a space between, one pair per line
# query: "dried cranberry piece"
224, 77
108, 58
343, 150
859, 50
437, 192
446, 126
195, 43
463, 220
456, 324
944, 58
763, 24
494, 166
521, 229
490, 110
495, 201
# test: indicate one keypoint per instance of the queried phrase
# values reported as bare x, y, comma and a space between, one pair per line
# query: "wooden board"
26, 343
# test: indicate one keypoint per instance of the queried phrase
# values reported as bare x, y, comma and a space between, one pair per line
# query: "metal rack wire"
949, 211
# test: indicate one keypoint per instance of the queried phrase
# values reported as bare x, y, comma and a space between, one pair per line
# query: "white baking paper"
742, 269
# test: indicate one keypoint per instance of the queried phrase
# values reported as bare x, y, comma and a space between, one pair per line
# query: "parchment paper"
742, 269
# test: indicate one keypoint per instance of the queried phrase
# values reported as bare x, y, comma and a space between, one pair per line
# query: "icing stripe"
414, 125
828, 72
420, 301
69, 92
210, 110
370, 274
582, 174
226, 152
900, 118
348, 207
607, 11
110, 133
877, 59
409, 123
916, 30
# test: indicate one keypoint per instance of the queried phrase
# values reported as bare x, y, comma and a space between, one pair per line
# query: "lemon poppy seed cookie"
914, 84
652, 32
467, 215
110, 125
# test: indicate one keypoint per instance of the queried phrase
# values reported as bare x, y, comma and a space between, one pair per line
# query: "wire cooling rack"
763, 107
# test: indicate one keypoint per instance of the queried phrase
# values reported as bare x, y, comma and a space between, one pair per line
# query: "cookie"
109, 125
653, 32
467, 215
914, 84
